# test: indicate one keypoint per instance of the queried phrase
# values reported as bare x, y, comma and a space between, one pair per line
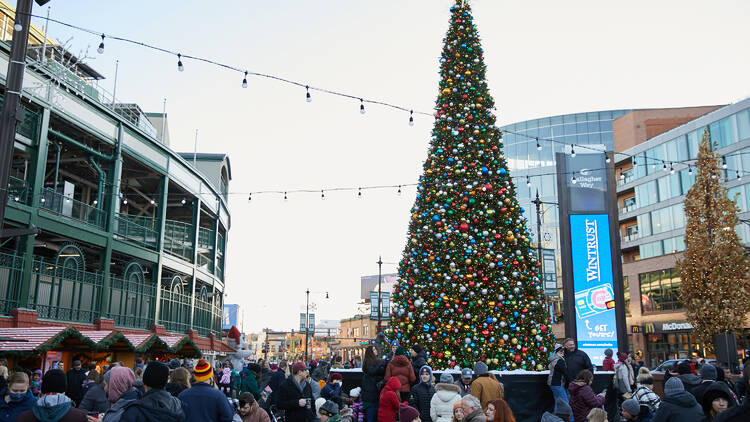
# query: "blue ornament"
485, 170
502, 171
435, 217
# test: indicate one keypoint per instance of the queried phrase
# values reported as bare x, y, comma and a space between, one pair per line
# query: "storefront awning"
35, 340
183, 346
109, 340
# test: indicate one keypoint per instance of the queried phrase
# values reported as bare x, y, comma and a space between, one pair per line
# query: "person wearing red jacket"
401, 368
389, 400
608, 364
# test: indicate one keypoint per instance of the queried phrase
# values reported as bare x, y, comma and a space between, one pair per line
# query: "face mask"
16, 397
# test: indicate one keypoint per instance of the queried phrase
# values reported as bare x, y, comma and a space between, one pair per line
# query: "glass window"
671, 146
737, 194
592, 127
679, 243
608, 139
605, 126
682, 148
649, 250
569, 129
678, 216
664, 191
660, 290
605, 115
693, 140
581, 127
556, 120
640, 167
646, 194
569, 118
675, 187
644, 224
661, 220
743, 124
687, 180
626, 291
722, 132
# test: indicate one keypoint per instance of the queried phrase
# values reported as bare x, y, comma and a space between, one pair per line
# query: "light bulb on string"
622, 175
671, 168
528, 181
724, 162
308, 97
573, 180
572, 150
95, 201
634, 164
399, 190
690, 170
361, 106
411, 118
664, 166
606, 159
180, 67
738, 174
249, 197
285, 198
244, 80
538, 145
125, 201
184, 201
322, 195
359, 193
100, 50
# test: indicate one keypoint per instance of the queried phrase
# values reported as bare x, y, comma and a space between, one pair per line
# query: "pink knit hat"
120, 380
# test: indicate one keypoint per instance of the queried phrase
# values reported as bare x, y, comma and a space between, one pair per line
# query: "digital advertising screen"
596, 326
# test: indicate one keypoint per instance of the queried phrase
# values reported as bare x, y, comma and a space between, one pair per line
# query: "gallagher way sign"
592, 272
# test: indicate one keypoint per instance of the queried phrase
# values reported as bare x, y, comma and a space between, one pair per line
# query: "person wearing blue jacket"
332, 389
204, 402
16, 397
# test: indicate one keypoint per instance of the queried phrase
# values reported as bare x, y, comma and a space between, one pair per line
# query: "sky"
544, 58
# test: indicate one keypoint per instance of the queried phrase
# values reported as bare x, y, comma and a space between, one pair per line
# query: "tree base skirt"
527, 393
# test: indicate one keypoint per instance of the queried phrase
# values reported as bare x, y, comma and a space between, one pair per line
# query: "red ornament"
463, 227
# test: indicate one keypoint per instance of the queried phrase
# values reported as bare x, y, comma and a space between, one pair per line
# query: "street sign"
550, 272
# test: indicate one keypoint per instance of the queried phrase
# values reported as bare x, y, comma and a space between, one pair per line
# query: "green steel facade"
131, 230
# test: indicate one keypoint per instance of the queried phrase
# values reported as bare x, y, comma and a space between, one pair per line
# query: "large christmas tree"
469, 285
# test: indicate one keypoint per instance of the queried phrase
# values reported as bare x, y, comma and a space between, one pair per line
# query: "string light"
125, 201
622, 175
738, 174
359, 193
153, 202
322, 195
95, 201
180, 67
184, 201
308, 97
538, 145
250, 197
399, 190
724, 162
665, 166
244, 80
572, 151
411, 118
574, 178
607, 160
634, 163
100, 50
361, 106
690, 170
671, 168
285, 198
528, 181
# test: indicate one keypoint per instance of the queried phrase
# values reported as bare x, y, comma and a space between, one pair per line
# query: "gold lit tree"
714, 269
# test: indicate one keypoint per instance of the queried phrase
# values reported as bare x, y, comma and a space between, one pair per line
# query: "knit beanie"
54, 381
407, 413
298, 366
631, 406
319, 402
155, 375
563, 409
708, 372
608, 352
329, 409
480, 368
401, 351
457, 405
203, 371
684, 368
335, 376
672, 386
417, 348
174, 363
355, 392
446, 378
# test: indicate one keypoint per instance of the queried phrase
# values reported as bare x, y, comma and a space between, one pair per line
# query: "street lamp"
307, 318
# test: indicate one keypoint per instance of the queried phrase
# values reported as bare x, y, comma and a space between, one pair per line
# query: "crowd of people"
693, 391
397, 385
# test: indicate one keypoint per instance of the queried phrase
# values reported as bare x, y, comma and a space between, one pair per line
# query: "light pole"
307, 319
380, 307
538, 202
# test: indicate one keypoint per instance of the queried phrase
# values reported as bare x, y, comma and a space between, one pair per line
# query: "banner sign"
385, 309
596, 326
230, 316
302, 322
311, 322
550, 272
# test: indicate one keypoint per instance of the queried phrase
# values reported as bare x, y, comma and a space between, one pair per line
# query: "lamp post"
380, 307
538, 202
307, 319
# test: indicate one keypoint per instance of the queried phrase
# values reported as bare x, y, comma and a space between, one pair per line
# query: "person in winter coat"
624, 375
204, 402
179, 380
689, 380
314, 386
709, 375
739, 413
332, 389
472, 409
75, 378
250, 380
120, 391
632, 411
54, 404
446, 395
558, 373
249, 410
36, 383
373, 371
157, 405
608, 364
295, 396
563, 413
678, 405
94, 397
464, 383
582, 397
358, 411
16, 397
644, 393
277, 378
576, 360
716, 399
400, 368
408, 414
499, 411
418, 360
389, 400
321, 372
422, 393
485, 387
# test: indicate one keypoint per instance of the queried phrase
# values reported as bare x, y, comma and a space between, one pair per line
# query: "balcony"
175, 310
65, 206
625, 177
139, 230
628, 208
630, 237
219, 270
178, 239
11, 267
62, 293
207, 318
